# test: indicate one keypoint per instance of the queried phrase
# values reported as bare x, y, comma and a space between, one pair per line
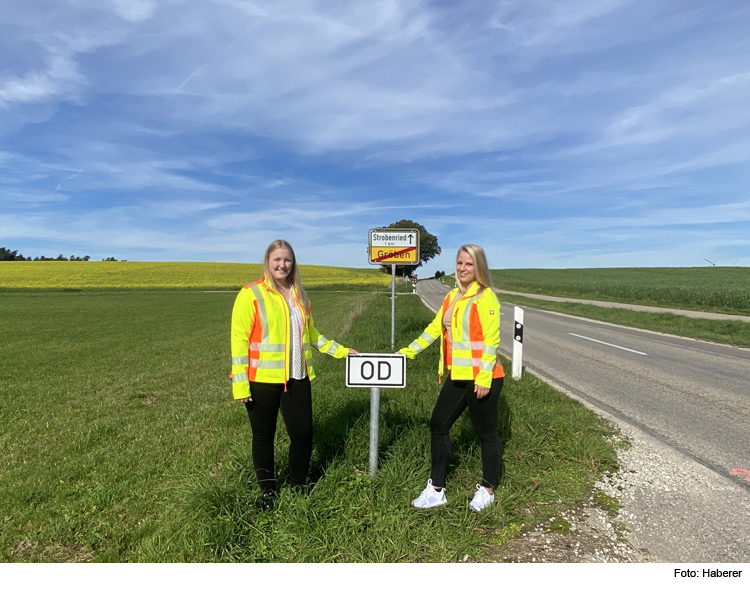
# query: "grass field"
127, 275
715, 289
120, 441
727, 332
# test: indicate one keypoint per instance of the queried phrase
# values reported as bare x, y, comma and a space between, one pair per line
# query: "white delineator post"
517, 342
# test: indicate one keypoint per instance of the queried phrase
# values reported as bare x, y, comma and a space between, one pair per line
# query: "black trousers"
296, 410
454, 397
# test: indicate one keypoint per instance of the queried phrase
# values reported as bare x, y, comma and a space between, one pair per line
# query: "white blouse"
297, 369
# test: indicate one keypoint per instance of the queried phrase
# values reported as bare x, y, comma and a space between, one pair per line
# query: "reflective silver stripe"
241, 360
321, 341
489, 350
469, 346
465, 328
333, 348
463, 362
308, 347
239, 377
487, 366
417, 347
427, 337
264, 364
267, 347
261, 311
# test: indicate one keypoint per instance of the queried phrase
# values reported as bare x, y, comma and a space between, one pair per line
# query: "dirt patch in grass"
588, 532
29, 551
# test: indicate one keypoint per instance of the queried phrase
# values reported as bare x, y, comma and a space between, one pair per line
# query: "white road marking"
608, 344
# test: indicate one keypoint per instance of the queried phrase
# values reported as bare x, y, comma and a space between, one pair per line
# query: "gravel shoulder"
661, 506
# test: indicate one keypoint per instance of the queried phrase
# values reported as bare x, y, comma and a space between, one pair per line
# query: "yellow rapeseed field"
86, 275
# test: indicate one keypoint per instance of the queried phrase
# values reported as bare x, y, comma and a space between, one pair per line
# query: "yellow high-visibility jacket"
475, 327
261, 338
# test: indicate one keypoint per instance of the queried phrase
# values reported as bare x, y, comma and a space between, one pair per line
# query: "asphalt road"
690, 397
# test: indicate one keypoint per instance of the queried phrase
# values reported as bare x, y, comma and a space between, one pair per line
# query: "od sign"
377, 370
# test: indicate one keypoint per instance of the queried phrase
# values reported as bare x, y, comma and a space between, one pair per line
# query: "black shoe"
268, 501
301, 490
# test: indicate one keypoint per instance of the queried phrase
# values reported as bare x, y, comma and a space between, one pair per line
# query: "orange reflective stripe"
476, 335
256, 336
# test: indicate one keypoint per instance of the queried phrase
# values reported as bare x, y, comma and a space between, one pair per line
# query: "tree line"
13, 255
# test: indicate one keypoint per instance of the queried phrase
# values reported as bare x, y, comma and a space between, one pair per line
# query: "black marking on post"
518, 333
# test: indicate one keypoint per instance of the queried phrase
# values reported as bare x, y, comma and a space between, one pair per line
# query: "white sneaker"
430, 497
482, 499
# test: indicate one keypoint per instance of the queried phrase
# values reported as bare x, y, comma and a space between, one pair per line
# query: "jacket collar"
471, 291
267, 282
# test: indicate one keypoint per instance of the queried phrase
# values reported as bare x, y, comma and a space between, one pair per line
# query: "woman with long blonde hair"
272, 339
468, 326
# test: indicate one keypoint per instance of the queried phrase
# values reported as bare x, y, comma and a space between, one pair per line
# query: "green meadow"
121, 441
711, 289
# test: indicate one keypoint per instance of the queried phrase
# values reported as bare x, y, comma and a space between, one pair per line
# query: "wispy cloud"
593, 132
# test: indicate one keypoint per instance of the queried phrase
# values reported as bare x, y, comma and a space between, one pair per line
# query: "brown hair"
293, 279
481, 269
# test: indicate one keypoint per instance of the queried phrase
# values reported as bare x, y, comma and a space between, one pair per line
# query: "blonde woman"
272, 339
468, 326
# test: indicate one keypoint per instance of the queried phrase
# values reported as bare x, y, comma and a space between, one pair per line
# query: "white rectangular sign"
394, 237
376, 370
394, 246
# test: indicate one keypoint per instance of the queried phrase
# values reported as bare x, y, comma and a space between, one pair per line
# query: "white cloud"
208, 127
133, 11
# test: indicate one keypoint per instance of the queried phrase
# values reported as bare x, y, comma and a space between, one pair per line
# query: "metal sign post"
393, 307
374, 429
376, 370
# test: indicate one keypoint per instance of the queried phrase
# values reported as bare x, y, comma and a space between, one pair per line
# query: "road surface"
690, 397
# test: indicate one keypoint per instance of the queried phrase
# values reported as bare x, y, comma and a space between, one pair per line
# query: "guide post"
517, 368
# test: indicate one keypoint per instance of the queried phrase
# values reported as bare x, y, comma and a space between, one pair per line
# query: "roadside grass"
709, 289
133, 275
555, 448
728, 332
121, 441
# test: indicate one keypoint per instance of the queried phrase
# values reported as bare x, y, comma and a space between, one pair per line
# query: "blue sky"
586, 133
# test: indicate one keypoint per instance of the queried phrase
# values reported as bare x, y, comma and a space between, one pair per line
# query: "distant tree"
10, 255
439, 274
110, 259
428, 248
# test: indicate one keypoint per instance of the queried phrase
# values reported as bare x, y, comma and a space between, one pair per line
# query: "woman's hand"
353, 352
244, 400
481, 391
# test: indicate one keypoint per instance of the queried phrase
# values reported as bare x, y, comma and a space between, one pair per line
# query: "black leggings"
453, 399
296, 410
